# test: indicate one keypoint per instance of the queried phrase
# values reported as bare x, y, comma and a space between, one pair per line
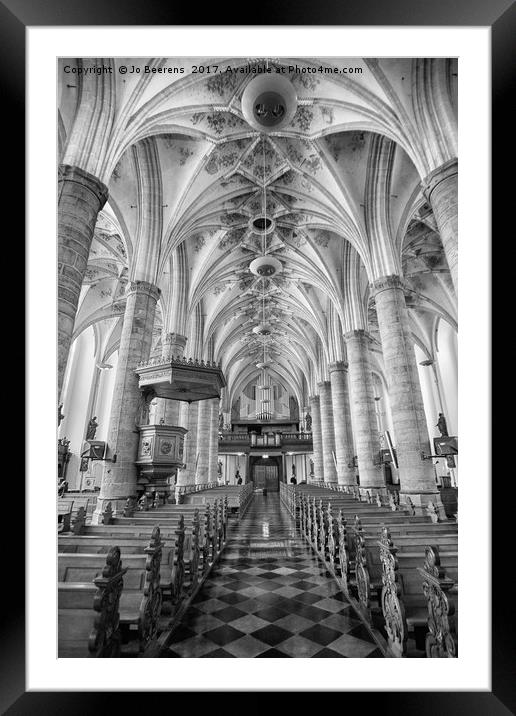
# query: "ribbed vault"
340, 189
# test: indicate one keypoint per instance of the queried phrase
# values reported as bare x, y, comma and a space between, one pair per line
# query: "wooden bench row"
179, 551
100, 600
238, 497
72, 513
399, 571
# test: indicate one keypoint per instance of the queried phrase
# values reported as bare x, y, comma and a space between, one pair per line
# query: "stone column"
203, 442
173, 345
417, 476
119, 476
342, 423
80, 198
189, 419
365, 429
440, 189
214, 441
327, 431
315, 409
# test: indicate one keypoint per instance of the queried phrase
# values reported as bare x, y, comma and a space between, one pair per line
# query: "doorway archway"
266, 473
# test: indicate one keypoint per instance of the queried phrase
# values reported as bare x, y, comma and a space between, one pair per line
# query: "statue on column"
60, 415
308, 423
441, 426
221, 421
92, 429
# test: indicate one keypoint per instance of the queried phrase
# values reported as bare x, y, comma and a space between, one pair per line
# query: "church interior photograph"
257, 359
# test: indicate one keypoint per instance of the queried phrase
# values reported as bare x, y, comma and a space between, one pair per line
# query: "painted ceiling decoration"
270, 191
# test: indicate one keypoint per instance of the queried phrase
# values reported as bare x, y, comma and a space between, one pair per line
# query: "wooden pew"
203, 533
139, 604
64, 517
216, 508
133, 538
404, 601
213, 524
93, 629
72, 514
352, 554
237, 497
356, 555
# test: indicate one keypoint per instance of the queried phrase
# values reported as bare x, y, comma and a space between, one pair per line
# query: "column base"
346, 483
418, 503
117, 505
374, 495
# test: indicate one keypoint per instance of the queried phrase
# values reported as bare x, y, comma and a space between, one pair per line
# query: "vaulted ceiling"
339, 187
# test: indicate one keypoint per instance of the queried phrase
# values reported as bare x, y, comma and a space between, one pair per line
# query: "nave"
270, 596
258, 291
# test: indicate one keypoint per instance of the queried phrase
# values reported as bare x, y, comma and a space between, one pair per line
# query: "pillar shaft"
203, 442
214, 441
411, 436
119, 478
191, 418
361, 392
342, 423
327, 431
441, 190
80, 198
315, 409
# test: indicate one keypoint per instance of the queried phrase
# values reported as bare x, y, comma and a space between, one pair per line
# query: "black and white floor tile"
270, 596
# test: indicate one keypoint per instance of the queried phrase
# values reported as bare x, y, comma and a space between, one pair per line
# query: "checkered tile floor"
260, 603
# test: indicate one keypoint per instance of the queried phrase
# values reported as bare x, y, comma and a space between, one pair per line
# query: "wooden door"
266, 476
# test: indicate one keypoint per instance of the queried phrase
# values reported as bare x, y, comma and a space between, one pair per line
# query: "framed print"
249, 235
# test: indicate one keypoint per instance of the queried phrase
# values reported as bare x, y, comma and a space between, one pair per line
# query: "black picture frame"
500, 15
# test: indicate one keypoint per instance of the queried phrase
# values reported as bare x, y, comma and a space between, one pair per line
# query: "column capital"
339, 365
324, 385
386, 282
67, 172
446, 171
314, 398
143, 287
358, 333
171, 337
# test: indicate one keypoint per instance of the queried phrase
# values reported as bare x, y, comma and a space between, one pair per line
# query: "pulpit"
160, 454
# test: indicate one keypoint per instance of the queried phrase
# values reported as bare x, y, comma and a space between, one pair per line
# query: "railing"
297, 436
266, 440
235, 437
178, 361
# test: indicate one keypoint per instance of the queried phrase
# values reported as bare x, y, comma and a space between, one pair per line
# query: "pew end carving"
79, 521
393, 608
107, 514
441, 639
150, 608
105, 638
363, 579
130, 506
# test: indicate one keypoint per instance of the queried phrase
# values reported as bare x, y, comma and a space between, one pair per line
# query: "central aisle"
270, 596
